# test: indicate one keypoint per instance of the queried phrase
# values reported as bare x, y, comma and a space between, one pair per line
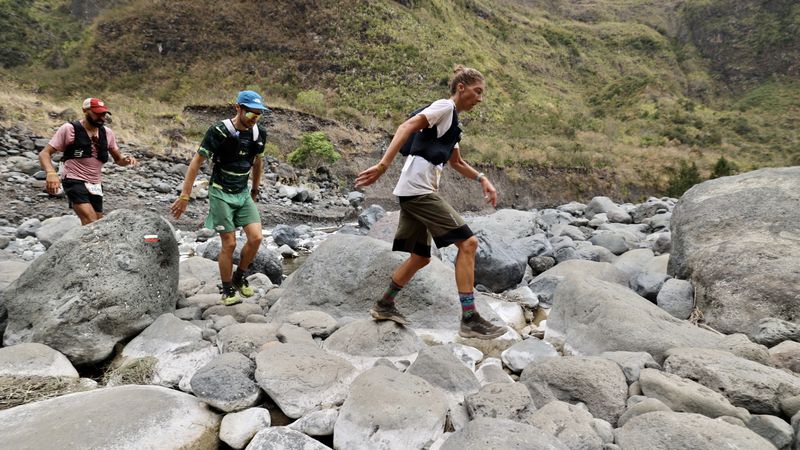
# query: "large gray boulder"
674, 430
266, 261
226, 383
34, 360
440, 367
597, 382
10, 270
387, 409
284, 438
53, 228
684, 395
98, 285
362, 342
572, 425
126, 417
546, 283
501, 401
198, 275
509, 223
501, 434
346, 274
499, 265
302, 378
750, 385
590, 317
737, 239
177, 346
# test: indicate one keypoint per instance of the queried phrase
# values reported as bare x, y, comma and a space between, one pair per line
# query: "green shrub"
348, 115
271, 149
312, 101
723, 168
314, 150
682, 179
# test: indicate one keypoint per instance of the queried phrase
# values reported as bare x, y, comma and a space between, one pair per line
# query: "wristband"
480, 175
382, 167
184, 197
52, 173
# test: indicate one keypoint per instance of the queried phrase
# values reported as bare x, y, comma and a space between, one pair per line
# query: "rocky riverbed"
663, 324
288, 196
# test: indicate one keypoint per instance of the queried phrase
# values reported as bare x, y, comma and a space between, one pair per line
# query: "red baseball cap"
95, 105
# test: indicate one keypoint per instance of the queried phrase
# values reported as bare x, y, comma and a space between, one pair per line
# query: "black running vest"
427, 144
81, 147
234, 157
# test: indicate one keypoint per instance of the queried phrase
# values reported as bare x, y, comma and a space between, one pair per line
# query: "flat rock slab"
678, 431
501, 434
387, 409
302, 378
127, 417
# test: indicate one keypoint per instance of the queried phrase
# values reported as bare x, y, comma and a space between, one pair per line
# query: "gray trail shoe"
479, 328
383, 312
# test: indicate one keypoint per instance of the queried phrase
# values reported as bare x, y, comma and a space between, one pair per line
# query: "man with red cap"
86, 145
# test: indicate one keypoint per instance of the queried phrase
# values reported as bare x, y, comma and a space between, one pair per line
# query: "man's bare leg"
472, 324
385, 309
85, 212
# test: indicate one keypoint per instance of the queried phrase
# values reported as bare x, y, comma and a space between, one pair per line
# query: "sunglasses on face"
250, 115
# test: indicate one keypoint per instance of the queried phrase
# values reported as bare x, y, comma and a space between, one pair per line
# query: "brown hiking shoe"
380, 311
479, 328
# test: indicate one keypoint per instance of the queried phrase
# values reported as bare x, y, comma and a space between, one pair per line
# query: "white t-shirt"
419, 176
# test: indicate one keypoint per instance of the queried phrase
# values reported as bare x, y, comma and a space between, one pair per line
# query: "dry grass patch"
16, 391
137, 371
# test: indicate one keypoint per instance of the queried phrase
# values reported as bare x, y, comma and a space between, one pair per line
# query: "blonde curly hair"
466, 75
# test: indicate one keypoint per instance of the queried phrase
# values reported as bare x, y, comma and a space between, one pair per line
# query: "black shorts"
77, 193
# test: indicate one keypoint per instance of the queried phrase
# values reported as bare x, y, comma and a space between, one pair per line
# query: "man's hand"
370, 175
127, 161
254, 194
489, 192
179, 206
52, 183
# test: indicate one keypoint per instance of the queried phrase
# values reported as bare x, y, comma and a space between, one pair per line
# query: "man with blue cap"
236, 148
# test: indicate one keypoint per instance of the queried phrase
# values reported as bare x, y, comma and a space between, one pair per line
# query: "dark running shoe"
479, 328
383, 312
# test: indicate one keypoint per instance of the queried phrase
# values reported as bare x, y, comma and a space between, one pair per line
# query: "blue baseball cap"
251, 100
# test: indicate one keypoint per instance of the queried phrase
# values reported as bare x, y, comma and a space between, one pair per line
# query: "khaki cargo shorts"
424, 218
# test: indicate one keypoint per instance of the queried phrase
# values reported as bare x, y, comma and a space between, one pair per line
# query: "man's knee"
254, 240
469, 245
228, 241
420, 261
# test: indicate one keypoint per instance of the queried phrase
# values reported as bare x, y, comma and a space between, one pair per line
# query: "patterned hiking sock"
390, 294
227, 286
467, 300
238, 274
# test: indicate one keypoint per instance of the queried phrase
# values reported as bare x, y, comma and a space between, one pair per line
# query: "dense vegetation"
638, 86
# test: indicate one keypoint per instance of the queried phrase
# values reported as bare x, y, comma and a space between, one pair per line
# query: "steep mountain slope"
627, 85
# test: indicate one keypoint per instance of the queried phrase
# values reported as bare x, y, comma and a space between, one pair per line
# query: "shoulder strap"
233, 131
229, 126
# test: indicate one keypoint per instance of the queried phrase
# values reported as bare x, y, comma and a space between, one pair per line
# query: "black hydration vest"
427, 144
235, 156
81, 147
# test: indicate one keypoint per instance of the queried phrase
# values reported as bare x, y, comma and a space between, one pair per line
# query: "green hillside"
634, 86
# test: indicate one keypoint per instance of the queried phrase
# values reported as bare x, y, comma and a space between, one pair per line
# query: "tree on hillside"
682, 179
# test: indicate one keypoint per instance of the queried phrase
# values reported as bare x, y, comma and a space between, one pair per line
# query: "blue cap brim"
256, 106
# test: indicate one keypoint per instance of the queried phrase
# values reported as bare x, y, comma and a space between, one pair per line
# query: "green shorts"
423, 217
227, 211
